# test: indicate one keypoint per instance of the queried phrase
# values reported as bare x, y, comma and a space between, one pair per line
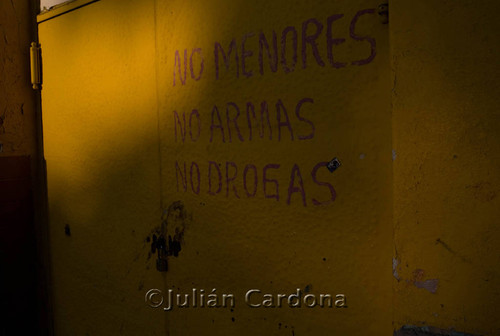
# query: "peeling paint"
430, 285
394, 155
395, 264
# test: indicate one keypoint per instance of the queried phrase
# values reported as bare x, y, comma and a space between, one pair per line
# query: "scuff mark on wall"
449, 249
439, 241
483, 191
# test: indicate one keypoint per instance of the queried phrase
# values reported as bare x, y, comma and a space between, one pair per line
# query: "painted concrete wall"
101, 148
17, 99
153, 129
264, 211
23, 260
446, 127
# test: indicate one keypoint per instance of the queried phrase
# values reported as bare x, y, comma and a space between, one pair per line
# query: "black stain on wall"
168, 239
67, 230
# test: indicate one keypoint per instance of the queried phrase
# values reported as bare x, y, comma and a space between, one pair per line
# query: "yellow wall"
235, 242
445, 134
100, 136
124, 148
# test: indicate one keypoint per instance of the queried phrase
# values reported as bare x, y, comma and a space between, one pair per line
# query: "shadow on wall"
111, 179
